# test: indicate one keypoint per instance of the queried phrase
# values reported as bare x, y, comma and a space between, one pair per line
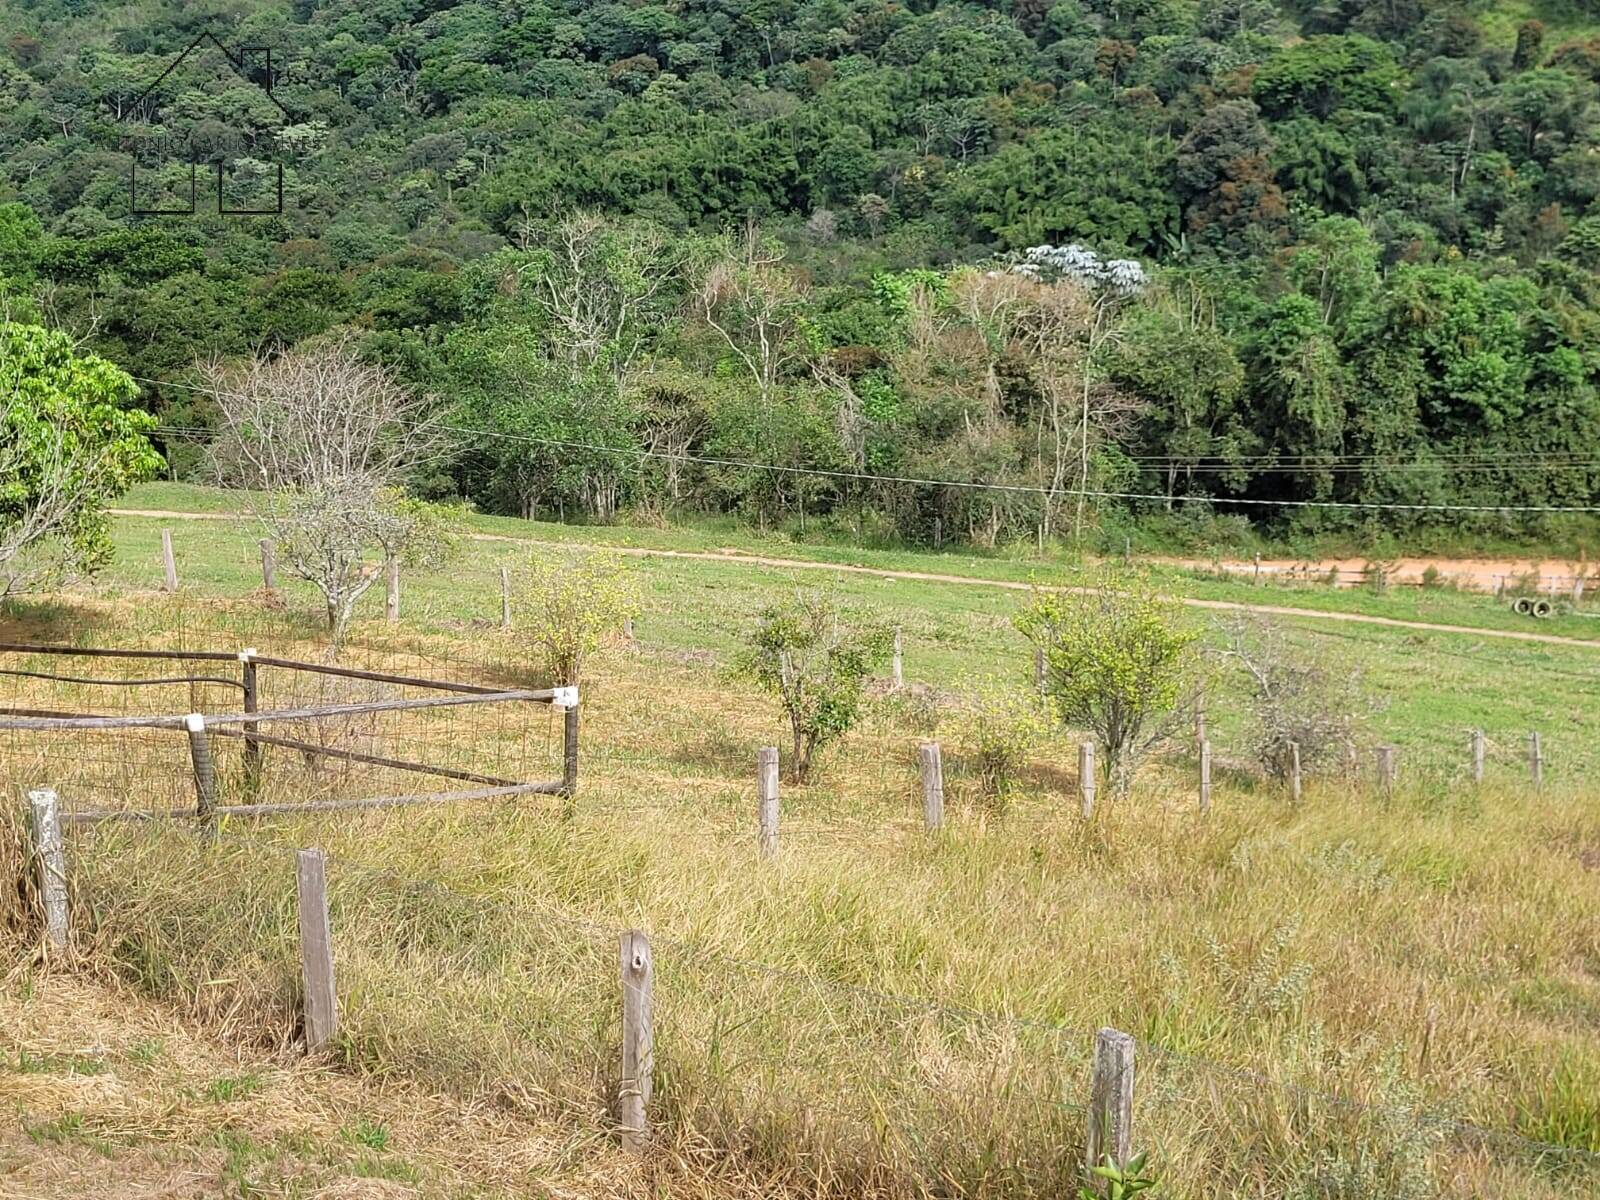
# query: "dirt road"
800, 564
1547, 575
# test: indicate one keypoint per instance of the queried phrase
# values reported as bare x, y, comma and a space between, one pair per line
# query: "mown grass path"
803, 564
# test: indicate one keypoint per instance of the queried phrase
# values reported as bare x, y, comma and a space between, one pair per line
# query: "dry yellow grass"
1433, 952
111, 1095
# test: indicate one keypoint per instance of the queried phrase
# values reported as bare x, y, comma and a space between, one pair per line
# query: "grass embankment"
1438, 950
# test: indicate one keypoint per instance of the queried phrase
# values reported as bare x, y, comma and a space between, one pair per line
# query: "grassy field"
1425, 957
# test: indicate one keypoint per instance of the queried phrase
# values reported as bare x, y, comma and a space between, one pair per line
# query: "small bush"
566, 608
817, 666
1002, 728
1117, 663
1296, 697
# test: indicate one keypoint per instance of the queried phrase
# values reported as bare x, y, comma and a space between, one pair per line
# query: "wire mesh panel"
160, 732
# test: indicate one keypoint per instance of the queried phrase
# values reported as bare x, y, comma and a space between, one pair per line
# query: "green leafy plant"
1117, 664
69, 444
817, 666
566, 607
1121, 1183
1001, 729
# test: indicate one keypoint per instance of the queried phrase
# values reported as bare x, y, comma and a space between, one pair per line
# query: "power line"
972, 485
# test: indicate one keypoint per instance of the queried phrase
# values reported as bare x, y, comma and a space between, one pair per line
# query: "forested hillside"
1347, 251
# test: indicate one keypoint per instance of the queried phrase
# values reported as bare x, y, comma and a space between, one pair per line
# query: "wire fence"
152, 732
801, 1072
785, 1071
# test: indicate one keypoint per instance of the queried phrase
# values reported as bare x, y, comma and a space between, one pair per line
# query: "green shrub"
817, 666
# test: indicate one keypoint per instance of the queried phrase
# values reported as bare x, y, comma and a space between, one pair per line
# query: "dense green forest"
1112, 259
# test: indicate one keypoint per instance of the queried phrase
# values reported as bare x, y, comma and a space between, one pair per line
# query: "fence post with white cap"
205, 771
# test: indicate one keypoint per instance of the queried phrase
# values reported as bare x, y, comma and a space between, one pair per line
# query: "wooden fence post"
52, 855
1386, 769
638, 1040
316, 949
169, 563
391, 599
1110, 1099
569, 751
252, 703
505, 598
1535, 758
1200, 718
1205, 777
898, 666
1477, 755
205, 771
627, 628
1086, 778
767, 800
269, 565
1258, 569
938, 533
1294, 772
932, 786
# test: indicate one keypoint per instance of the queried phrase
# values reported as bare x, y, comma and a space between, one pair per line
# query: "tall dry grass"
1425, 958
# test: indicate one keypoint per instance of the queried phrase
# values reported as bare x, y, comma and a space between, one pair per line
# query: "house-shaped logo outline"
238, 65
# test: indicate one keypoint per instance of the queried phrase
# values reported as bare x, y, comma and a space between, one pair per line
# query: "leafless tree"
601, 285
753, 303
323, 442
1296, 696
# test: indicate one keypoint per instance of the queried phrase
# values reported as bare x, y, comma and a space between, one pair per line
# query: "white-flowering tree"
322, 442
1109, 282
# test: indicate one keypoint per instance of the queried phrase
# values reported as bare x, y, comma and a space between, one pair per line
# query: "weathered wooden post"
269, 565
567, 701
1477, 755
627, 628
321, 1005
1110, 1100
1086, 778
391, 598
168, 562
767, 800
1258, 570
898, 662
1535, 758
1294, 772
205, 772
638, 1040
1200, 718
505, 597
932, 786
252, 703
1205, 777
1386, 768
938, 533
52, 857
